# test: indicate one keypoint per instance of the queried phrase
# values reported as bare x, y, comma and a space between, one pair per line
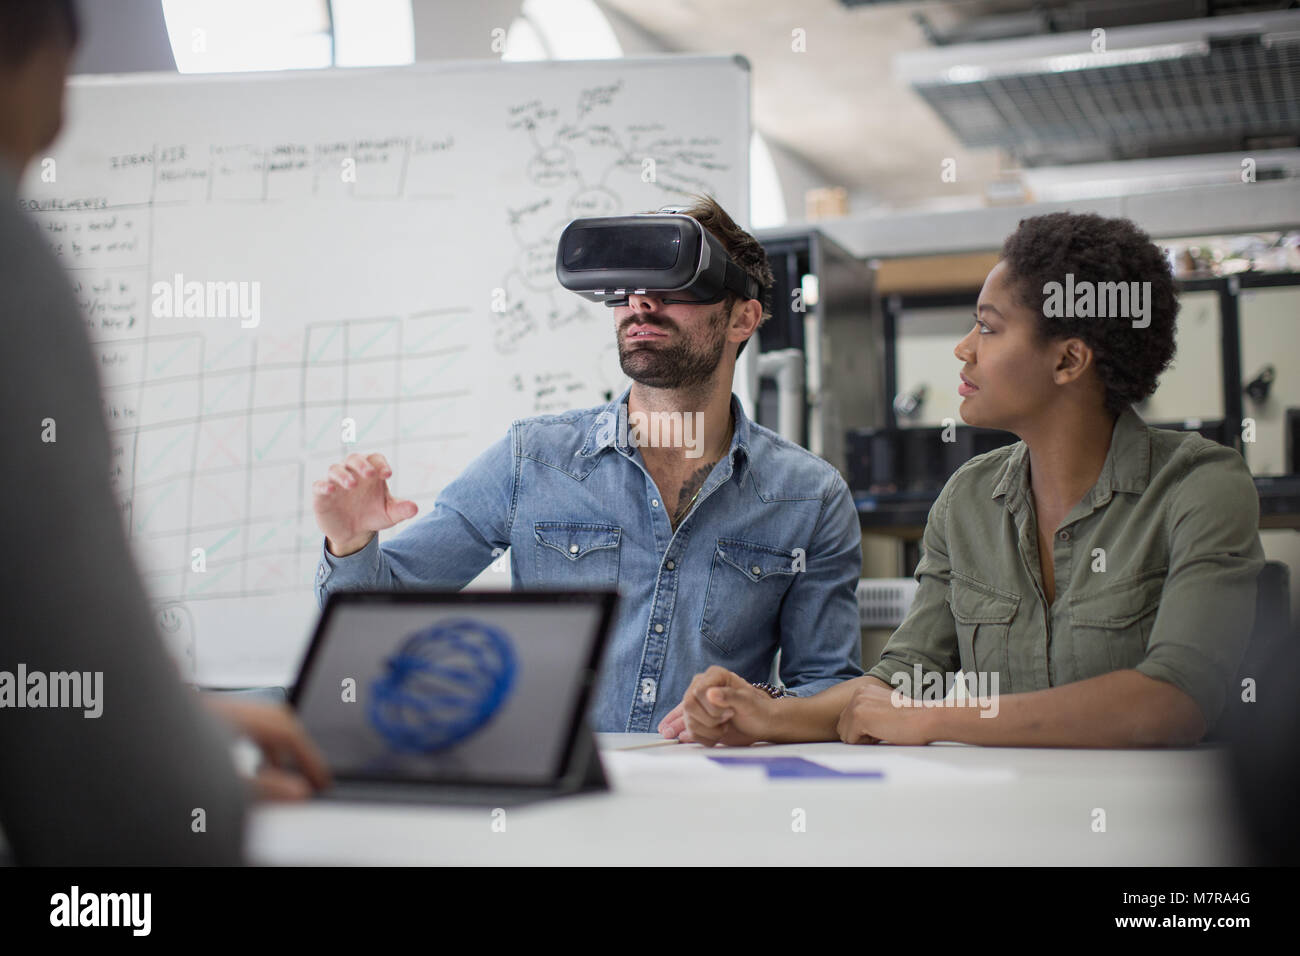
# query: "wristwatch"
770, 690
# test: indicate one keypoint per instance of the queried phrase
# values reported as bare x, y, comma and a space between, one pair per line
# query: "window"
222, 36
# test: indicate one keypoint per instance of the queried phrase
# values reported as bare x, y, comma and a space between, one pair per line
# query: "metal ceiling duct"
1221, 84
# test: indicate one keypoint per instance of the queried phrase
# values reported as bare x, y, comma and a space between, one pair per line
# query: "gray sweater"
123, 787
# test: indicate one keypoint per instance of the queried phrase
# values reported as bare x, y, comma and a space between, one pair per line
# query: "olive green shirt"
1155, 571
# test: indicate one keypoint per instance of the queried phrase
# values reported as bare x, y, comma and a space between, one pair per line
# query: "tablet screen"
457, 692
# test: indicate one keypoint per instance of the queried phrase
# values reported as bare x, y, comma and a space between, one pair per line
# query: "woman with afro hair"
1092, 585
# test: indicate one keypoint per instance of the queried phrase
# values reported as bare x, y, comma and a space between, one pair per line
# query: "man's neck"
704, 414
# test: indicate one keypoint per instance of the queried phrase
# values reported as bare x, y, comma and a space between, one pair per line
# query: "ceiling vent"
1223, 84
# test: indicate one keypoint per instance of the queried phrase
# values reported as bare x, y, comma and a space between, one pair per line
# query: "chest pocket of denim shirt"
575, 554
1112, 626
746, 584
983, 616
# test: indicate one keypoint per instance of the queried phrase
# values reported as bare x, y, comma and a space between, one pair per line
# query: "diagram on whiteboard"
581, 163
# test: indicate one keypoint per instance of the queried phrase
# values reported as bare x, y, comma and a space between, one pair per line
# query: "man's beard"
683, 364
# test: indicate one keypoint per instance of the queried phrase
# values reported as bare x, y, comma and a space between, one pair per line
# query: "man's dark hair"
26, 24
747, 252
1098, 249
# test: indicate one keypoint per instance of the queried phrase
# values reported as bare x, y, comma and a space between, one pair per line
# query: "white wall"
459, 30
797, 176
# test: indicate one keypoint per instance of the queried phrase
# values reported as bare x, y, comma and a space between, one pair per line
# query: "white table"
942, 804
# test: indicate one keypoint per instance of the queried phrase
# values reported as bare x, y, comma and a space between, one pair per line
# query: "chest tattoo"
689, 491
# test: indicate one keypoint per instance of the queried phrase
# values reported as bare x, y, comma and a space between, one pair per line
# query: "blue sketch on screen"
442, 685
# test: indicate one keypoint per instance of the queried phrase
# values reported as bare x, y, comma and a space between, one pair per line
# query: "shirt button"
756, 569
654, 502
659, 628
573, 549
1064, 536
670, 565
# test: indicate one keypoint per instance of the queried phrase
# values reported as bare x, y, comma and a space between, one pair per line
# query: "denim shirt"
768, 558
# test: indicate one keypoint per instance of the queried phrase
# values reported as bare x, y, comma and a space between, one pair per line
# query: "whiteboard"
271, 265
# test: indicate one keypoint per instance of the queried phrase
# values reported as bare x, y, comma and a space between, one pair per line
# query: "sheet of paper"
639, 771
691, 767
904, 767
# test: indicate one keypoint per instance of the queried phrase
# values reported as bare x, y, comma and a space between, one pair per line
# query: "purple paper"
780, 767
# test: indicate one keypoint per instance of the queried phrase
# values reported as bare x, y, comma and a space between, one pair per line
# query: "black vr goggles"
668, 254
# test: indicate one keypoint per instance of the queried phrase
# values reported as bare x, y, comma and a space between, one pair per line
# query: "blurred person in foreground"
144, 773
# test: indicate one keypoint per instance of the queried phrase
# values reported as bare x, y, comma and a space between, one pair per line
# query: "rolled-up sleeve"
821, 638
927, 638
447, 547
1207, 605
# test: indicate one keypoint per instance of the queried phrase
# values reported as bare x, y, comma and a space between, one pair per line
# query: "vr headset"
606, 259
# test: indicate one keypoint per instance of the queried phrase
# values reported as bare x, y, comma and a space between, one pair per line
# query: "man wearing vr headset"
727, 543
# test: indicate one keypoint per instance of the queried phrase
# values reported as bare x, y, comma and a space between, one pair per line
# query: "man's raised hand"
352, 502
